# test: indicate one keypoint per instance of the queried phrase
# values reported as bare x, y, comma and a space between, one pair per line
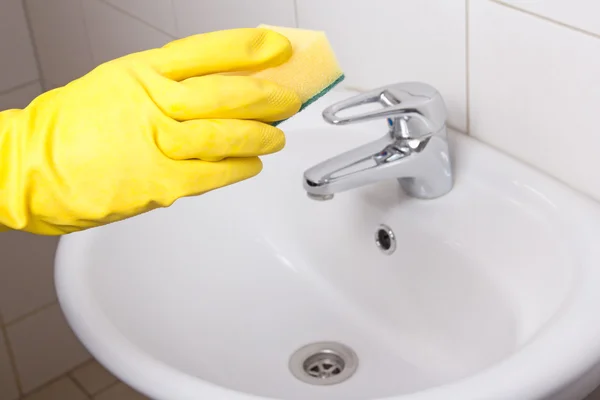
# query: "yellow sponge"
312, 70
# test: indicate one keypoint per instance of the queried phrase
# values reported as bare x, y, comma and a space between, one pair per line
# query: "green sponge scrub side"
311, 71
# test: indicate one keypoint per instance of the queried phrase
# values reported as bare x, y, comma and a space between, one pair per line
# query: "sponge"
311, 71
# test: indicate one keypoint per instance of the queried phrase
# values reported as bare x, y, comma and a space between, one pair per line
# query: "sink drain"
323, 363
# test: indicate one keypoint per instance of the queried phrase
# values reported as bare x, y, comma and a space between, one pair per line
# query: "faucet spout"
414, 151
421, 166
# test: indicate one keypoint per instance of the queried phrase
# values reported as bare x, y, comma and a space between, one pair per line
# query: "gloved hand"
141, 131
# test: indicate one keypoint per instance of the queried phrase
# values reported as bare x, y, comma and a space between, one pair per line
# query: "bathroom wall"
36, 345
520, 75
505, 68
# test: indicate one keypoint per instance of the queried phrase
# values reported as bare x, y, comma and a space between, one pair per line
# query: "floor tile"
26, 270
45, 347
8, 386
93, 377
120, 392
63, 389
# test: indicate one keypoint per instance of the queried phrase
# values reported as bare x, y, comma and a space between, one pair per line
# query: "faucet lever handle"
399, 101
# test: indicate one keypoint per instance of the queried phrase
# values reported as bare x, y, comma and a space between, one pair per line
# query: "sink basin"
491, 292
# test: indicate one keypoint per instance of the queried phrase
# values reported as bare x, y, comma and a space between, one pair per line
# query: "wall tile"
61, 40
26, 273
63, 389
19, 98
388, 41
533, 92
582, 14
93, 377
158, 13
18, 64
204, 16
114, 34
44, 347
8, 387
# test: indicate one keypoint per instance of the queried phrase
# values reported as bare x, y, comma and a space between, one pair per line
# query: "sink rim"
140, 370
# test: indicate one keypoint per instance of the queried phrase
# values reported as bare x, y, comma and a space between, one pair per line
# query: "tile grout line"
467, 68
31, 313
296, 15
79, 385
34, 45
175, 19
543, 18
76, 382
106, 389
450, 126
105, 2
19, 86
86, 32
52, 381
12, 360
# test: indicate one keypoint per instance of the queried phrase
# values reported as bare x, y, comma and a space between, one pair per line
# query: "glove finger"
195, 177
221, 51
225, 97
214, 139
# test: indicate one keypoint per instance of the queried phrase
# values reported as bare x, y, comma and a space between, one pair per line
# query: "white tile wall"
17, 61
411, 40
113, 34
534, 92
157, 13
580, 14
61, 40
202, 16
44, 347
19, 98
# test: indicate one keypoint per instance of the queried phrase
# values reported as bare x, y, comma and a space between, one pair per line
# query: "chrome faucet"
414, 150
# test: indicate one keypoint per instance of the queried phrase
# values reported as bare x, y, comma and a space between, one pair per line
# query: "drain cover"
323, 363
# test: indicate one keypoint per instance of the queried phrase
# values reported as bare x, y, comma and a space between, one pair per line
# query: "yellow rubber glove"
141, 131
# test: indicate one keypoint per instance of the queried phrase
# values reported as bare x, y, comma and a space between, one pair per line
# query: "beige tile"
8, 386
63, 389
93, 377
44, 347
120, 392
18, 62
26, 273
411, 41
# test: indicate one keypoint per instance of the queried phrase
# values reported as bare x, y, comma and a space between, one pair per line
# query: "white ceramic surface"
520, 68
491, 294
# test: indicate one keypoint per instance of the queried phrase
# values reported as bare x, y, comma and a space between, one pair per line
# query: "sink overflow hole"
385, 239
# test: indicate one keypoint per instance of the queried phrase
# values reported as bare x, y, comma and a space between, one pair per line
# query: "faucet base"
420, 189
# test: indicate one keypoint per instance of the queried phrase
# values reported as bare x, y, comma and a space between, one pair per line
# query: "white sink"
493, 291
